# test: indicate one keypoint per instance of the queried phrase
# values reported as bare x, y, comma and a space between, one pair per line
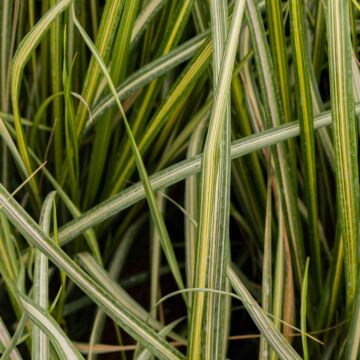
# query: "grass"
179, 179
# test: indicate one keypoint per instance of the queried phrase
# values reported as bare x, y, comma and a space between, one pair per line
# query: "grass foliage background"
179, 179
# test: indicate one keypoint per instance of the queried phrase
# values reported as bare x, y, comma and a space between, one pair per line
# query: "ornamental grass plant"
179, 179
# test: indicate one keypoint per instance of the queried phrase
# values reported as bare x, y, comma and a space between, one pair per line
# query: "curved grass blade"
65, 349
154, 210
103, 131
150, 9
103, 42
21, 57
131, 324
264, 324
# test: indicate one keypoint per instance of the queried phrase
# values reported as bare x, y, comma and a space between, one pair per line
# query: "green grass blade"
303, 309
155, 259
104, 130
170, 39
116, 266
278, 48
21, 57
345, 139
279, 274
6, 15
217, 307
267, 272
191, 203
55, 45
104, 40
319, 38
352, 349
150, 9
305, 115
145, 354
89, 235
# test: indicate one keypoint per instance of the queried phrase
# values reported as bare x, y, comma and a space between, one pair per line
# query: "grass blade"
104, 39
63, 346
267, 328
352, 349
267, 273
156, 215
304, 291
21, 57
40, 343
212, 229
305, 115
345, 139
103, 131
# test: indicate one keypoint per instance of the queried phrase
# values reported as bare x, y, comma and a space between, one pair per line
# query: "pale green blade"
40, 342
345, 139
275, 339
65, 349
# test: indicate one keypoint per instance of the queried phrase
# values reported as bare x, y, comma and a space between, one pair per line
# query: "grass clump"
179, 179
